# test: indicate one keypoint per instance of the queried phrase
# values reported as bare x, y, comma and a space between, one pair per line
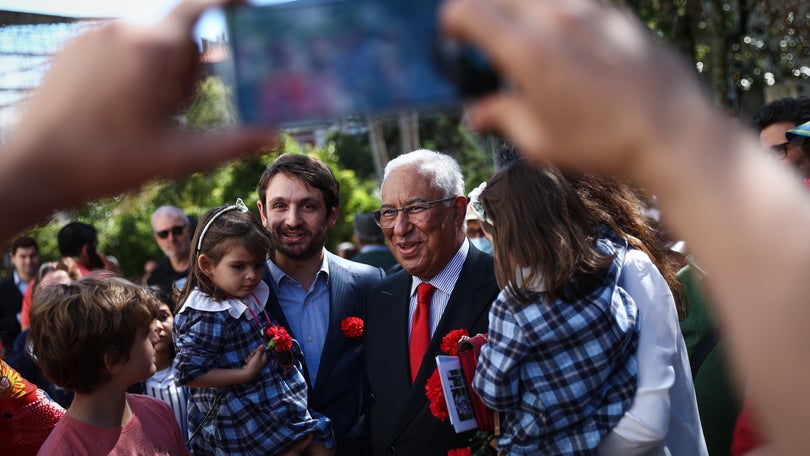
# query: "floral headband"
239, 206
475, 204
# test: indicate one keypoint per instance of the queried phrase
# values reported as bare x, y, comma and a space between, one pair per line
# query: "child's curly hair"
76, 329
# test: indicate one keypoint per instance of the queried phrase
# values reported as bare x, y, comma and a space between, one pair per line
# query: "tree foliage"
737, 46
443, 132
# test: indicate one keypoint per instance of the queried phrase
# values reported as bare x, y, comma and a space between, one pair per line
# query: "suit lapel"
340, 290
399, 297
469, 303
390, 337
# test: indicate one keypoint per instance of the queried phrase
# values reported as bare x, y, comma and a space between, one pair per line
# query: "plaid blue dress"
266, 415
563, 373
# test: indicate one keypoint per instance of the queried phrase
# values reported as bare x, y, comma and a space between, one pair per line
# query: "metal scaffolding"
28, 42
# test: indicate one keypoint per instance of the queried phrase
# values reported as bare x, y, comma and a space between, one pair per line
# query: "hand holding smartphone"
309, 61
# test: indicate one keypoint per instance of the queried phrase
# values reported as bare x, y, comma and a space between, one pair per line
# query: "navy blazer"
338, 394
10, 305
398, 414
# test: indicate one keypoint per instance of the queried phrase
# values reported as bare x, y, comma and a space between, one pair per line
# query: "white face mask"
482, 244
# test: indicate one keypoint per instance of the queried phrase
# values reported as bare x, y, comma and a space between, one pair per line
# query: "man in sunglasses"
773, 120
171, 228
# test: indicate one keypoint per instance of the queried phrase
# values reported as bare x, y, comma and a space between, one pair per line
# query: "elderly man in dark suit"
313, 291
446, 284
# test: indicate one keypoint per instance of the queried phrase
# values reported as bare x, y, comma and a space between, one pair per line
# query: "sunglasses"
175, 230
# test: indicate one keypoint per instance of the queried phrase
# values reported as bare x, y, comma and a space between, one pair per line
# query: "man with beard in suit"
313, 291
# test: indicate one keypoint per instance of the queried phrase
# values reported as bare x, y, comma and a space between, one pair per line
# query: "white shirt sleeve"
644, 426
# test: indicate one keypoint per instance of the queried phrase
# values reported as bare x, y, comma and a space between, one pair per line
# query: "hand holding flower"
279, 339
282, 342
451, 340
255, 361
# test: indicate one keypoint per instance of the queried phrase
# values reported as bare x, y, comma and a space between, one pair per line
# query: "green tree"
736, 46
442, 132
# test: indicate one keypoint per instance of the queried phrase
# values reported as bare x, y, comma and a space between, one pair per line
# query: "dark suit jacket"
10, 305
338, 394
165, 276
380, 258
399, 417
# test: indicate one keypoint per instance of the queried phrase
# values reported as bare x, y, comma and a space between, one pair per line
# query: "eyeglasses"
175, 230
415, 213
779, 150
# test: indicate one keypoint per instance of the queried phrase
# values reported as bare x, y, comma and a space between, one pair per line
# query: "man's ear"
205, 264
332, 219
262, 215
459, 209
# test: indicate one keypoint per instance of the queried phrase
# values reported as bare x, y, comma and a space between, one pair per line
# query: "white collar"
234, 306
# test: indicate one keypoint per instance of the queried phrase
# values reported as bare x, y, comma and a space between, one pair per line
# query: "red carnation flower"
435, 394
279, 339
450, 341
352, 328
460, 452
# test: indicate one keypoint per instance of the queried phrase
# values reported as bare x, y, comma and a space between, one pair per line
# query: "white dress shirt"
663, 419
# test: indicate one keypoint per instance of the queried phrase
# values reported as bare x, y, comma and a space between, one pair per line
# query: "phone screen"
316, 60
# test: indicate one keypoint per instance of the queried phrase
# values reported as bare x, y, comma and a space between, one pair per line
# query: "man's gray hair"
444, 170
169, 209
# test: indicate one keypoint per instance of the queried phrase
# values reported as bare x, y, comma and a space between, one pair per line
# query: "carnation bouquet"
482, 443
281, 341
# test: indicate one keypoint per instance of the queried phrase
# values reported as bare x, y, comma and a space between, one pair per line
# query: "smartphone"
312, 61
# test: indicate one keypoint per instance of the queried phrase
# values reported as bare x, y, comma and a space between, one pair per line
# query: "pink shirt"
151, 431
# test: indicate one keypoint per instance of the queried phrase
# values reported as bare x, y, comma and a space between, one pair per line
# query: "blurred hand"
103, 120
589, 86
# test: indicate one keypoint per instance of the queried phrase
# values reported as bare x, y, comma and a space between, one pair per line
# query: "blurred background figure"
50, 274
370, 240
24, 256
347, 250
475, 233
172, 232
113, 265
148, 267
79, 242
773, 121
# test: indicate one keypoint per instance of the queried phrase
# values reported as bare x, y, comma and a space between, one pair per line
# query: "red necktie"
420, 327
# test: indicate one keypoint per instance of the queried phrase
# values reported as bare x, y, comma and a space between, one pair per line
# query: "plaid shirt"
263, 416
563, 373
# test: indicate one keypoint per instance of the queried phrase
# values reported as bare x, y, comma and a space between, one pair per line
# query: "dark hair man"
24, 255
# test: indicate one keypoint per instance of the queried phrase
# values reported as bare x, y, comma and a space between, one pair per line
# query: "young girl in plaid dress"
559, 360
242, 400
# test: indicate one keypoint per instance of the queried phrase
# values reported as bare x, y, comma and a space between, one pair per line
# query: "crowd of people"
340, 351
